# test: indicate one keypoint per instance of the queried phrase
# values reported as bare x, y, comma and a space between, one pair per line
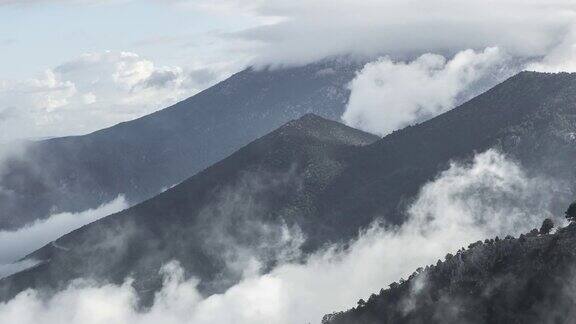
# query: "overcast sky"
41, 34
73, 66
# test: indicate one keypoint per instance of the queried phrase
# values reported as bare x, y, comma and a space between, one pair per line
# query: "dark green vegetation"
530, 279
571, 212
315, 175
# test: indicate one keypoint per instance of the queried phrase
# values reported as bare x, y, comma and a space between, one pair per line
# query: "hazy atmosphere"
103, 62
271, 161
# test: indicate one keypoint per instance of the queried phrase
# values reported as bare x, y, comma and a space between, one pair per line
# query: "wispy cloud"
388, 95
489, 196
93, 91
18, 243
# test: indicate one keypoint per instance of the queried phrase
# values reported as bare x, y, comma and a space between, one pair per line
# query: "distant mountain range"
140, 158
311, 176
529, 279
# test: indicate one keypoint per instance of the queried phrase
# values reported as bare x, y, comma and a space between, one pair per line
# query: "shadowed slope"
141, 157
525, 280
255, 194
311, 176
531, 117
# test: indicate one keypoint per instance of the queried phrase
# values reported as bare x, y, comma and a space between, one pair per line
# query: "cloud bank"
105, 88
93, 91
17, 244
404, 29
489, 196
388, 95
288, 31
560, 59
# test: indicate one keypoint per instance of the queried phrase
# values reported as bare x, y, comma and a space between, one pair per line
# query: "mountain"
249, 199
140, 158
313, 178
529, 279
531, 117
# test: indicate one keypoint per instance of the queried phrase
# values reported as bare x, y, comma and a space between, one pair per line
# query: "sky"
46, 90
42, 34
74, 66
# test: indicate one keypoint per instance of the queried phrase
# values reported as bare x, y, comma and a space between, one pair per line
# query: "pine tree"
547, 226
571, 212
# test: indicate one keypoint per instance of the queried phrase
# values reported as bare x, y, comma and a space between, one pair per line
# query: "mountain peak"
308, 120
139, 158
312, 125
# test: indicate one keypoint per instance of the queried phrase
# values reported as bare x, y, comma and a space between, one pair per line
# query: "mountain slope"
250, 199
525, 280
307, 177
144, 156
531, 117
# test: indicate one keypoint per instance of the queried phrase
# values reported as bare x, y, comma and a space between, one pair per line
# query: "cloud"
12, 268
491, 195
18, 243
162, 78
237, 232
561, 59
388, 95
91, 92
287, 31
100, 89
407, 28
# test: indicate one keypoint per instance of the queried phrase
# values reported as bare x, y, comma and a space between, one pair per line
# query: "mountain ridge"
329, 191
419, 152
301, 151
141, 157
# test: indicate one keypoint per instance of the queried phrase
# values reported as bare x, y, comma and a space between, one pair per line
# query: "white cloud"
89, 98
131, 69
127, 86
403, 29
47, 92
93, 91
561, 59
18, 243
490, 196
302, 31
388, 95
